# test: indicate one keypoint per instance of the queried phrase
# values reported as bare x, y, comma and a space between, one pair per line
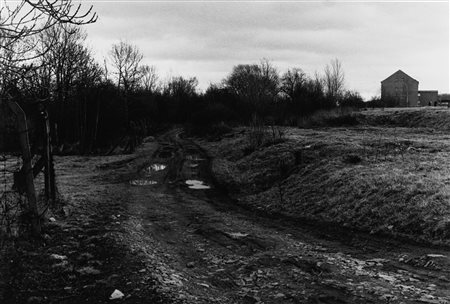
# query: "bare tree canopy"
20, 21
126, 59
292, 80
149, 78
29, 17
334, 80
254, 82
181, 87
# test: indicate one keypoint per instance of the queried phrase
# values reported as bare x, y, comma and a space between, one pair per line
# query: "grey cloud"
207, 39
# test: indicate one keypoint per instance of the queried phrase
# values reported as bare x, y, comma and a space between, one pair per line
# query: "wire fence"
13, 204
13, 201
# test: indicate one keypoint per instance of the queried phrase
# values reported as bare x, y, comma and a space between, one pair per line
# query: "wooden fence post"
50, 187
22, 127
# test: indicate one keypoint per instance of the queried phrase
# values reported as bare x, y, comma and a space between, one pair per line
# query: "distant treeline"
94, 106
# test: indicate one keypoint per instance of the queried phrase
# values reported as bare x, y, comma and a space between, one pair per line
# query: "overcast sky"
372, 39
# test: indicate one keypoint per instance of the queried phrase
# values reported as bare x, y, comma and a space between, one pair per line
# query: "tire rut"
229, 254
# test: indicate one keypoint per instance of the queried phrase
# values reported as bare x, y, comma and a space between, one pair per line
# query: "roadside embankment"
391, 181
433, 118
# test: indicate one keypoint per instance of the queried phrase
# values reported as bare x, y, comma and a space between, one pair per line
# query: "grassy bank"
436, 118
377, 179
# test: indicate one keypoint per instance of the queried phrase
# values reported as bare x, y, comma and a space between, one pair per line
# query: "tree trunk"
95, 132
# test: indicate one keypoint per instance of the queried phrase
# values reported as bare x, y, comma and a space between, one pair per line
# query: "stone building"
402, 88
428, 98
444, 98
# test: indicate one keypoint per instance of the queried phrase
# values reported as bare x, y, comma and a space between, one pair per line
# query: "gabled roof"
402, 74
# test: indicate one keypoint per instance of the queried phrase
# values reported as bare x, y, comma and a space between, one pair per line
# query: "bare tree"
65, 56
149, 78
334, 80
270, 78
62, 73
254, 83
125, 59
181, 87
292, 80
19, 25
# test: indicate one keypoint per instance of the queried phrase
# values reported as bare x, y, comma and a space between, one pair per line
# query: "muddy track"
206, 249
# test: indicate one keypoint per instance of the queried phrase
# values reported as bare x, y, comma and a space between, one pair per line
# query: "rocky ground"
157, 227
80, 258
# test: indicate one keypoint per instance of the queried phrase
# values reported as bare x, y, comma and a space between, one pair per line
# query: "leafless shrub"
260, 135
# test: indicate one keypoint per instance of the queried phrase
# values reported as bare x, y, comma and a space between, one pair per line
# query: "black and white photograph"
225, 152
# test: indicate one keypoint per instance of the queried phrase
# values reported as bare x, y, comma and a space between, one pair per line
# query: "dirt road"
203, 248
156, 226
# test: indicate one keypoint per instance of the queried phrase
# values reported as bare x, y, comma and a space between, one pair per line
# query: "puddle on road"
155, 168
193, 169
197, 184
433, 255
142, 182
237, 235
147, 174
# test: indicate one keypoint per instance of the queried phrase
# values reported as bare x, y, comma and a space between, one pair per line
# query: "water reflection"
142, 182
197, 184
155, 168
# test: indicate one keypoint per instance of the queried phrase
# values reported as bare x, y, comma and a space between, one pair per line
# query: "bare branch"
126, 60
25, 19
334, 80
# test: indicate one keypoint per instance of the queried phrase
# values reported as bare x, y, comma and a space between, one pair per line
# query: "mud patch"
166, 151
246, 245
223, 280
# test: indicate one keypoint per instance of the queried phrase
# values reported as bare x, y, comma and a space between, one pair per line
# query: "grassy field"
389, 174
